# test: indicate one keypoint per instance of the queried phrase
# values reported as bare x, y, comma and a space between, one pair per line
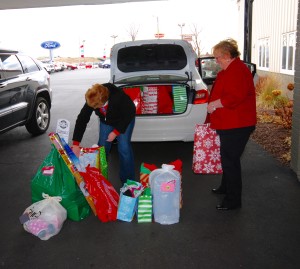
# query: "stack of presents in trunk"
158, 99
67, 187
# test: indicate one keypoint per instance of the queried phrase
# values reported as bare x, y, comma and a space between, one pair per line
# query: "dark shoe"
218, 191
225, 207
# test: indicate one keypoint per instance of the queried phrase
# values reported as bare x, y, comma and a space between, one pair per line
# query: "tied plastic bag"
104, 195
44, 218
165, 188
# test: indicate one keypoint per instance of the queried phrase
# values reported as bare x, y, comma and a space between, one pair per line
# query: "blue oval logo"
50, 45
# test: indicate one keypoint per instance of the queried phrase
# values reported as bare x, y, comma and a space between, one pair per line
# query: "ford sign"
50, 45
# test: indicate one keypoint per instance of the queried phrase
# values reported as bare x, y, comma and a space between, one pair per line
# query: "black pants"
233, 143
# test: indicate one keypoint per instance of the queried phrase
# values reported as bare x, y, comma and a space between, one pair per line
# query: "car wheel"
40, 119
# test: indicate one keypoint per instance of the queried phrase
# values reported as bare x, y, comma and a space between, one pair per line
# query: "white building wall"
271, 19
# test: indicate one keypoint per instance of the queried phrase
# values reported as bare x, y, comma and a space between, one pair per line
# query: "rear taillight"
201, 97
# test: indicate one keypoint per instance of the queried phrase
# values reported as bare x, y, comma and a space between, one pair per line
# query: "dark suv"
25, 93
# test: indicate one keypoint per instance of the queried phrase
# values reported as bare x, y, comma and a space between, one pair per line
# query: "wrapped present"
145, 171
149, 100
165, 99
178, 167
135, 94
180, 98
206, 153
145, 206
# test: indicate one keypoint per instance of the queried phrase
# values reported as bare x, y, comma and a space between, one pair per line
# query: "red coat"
235, 87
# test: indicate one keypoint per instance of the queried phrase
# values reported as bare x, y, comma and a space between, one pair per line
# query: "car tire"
40, 118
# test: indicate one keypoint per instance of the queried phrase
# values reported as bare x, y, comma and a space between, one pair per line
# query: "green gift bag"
54, 178
145, 207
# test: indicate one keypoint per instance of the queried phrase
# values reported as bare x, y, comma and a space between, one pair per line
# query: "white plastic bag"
44, 218
165, 188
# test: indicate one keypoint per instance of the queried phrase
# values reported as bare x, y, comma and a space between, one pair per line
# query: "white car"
58, 66
95, 65
162, 78
48, 66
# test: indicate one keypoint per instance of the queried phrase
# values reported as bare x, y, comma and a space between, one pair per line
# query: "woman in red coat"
232, 108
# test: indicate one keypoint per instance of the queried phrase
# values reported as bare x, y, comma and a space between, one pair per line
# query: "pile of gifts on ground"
69, 187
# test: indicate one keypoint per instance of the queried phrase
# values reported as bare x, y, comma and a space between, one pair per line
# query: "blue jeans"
127, 169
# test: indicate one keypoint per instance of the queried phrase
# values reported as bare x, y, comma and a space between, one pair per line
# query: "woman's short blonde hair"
97, 96
228, 46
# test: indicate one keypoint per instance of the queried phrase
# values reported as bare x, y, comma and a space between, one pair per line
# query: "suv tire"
40, 118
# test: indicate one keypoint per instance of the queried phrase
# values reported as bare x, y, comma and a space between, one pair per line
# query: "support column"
295, 147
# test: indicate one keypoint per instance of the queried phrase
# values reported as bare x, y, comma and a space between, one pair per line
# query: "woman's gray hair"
228, 45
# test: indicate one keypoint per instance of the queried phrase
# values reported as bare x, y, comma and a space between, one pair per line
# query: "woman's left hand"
212, 106
111, 137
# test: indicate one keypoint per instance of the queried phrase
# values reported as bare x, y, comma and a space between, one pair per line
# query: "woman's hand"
111, 137
212, 106
76, 150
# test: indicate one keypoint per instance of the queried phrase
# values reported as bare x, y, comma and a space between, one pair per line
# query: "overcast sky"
26, 29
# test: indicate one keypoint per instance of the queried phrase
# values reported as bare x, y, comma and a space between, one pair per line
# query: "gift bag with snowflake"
206, 155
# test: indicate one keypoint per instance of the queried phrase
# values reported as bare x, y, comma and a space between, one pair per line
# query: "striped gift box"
145, 207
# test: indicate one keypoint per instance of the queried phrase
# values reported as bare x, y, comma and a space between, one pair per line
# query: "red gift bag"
206, 155
104, 195
135, 94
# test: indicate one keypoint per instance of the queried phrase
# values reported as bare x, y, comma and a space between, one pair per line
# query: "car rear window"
11, 65
151, 57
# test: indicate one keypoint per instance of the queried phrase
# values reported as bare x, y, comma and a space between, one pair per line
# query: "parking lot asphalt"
264, 233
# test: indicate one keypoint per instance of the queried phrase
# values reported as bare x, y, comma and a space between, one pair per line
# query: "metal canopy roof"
21, 4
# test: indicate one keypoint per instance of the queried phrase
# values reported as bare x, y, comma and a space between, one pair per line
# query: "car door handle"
2, 85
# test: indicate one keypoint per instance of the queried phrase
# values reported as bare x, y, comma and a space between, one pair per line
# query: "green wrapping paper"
180, 98
103, 167
145, 207
54, 178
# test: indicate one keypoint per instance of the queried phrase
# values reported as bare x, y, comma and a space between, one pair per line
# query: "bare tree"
133, 31
196, 39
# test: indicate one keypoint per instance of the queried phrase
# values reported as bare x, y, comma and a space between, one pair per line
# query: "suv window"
151, 57
28, 64
11, 66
